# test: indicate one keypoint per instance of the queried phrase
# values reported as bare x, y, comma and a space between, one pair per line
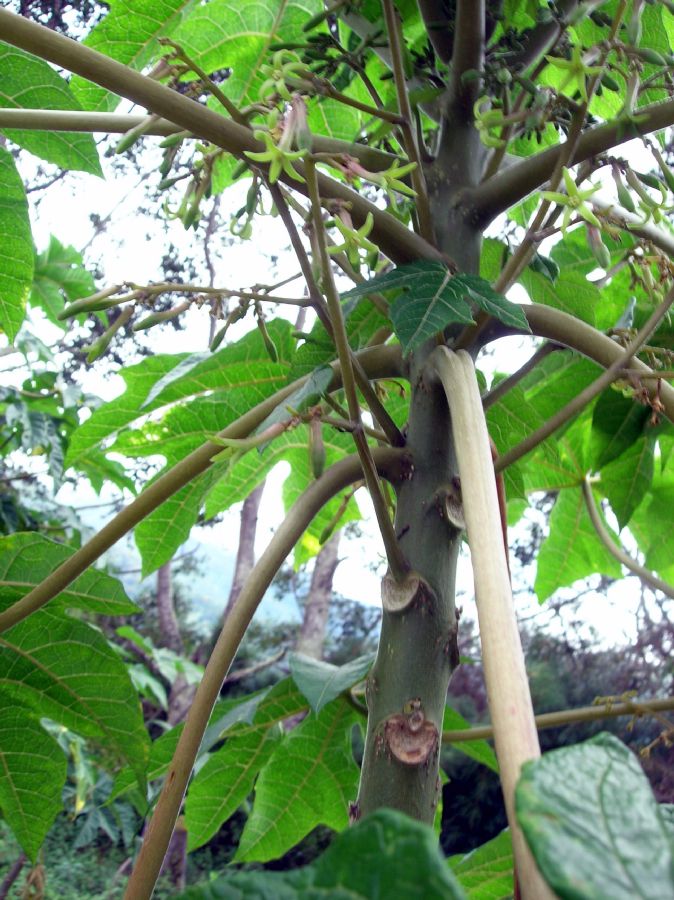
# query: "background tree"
423, 109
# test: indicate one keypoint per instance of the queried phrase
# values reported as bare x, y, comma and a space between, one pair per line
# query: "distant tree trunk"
311, 638
245, 555
168, 621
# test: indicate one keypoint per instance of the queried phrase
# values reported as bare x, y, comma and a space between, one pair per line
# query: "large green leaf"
309, 781
17, 258
572, 293
572, 550
167, 528
129, 34
32, 774
626, 480
387, 855
59, 278
656, 540
27, 559
63, 669
30, 83
236, 34
240, 372
617, 422
487, 872
432, 298
321, 682
592, 822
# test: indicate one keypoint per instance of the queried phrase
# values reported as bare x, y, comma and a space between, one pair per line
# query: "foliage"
386, 142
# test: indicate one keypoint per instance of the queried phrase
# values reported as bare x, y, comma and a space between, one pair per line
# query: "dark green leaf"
321, 682
593, 825
617, 422
626, 480
432, 298
387, 855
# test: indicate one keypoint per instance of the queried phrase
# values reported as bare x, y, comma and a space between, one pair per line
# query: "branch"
508, 383
504, 671
119, 123
158, 834
395, 239
558, 326
580, 401
395, 39
652, 580
378, 362
568, 717
394, 554
634, 224
508, 187
468, 55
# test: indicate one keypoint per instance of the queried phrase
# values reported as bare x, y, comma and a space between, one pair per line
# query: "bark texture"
245, 554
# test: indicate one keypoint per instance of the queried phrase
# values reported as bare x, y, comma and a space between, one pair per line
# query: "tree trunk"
168, 621
311, 638
245, 555
418, 650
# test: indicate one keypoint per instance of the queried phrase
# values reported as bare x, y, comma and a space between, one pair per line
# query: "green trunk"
407, 688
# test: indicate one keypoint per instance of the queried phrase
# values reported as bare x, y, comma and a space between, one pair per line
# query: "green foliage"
16, 262
432, 298
321, 683
352, 867
593, 825
486, 873
29, 83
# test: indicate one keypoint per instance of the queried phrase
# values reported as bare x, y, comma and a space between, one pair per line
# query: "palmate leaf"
17, 258
387, 855
309, 781
432, 298
30, 83
59, 278
487, 872
240, 372
228, 776
32, 774
321, 682
236, 34
58, 667
129, 34
626, 480
593, 824
572, 550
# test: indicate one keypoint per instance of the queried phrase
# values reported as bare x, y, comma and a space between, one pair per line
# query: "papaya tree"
424, 159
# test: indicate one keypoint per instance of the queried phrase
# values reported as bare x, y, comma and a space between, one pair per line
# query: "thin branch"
158, 834
505, 675
240, 674
379, 361
394, 238
562, 328
509, 383
580, 401
318, 303
409, 140
396, 560
569, 717
634, 224
468, 54
648, 577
